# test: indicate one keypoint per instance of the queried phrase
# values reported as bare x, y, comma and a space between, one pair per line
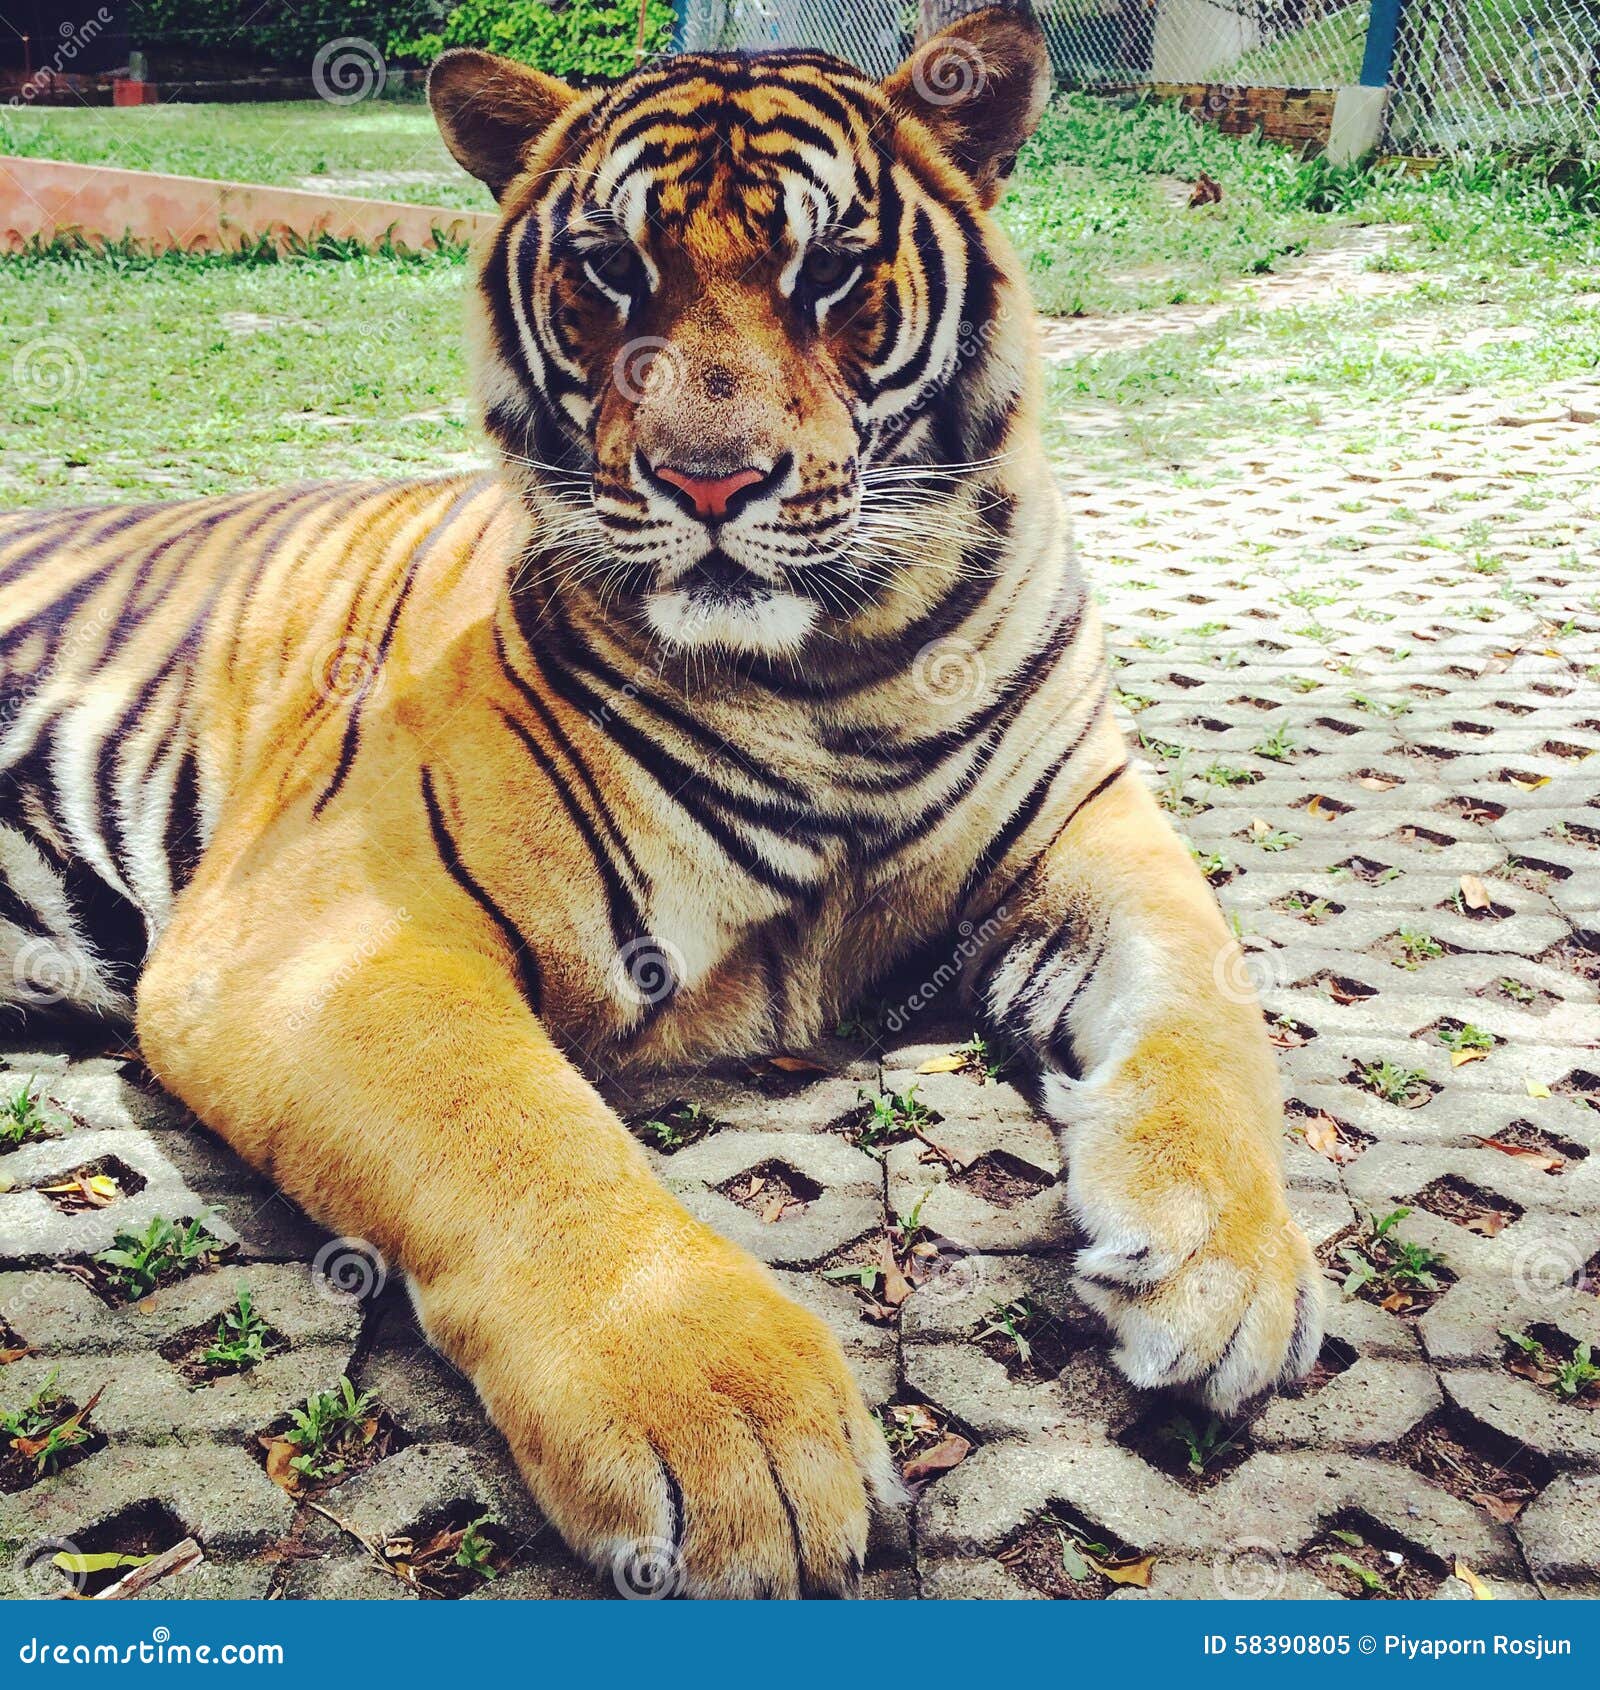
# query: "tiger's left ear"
981, 86
491, 110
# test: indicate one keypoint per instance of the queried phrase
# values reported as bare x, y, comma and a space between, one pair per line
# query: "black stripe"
352, 728
523, 959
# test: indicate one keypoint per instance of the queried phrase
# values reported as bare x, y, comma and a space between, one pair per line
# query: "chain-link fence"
1487, 75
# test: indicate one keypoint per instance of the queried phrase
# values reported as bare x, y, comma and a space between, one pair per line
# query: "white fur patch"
760, 621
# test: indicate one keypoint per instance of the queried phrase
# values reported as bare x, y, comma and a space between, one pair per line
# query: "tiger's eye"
825, 269
617, 265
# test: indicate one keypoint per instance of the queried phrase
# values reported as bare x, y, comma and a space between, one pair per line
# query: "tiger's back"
152, 658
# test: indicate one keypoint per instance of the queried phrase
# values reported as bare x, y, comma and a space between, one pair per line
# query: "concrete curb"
43, 198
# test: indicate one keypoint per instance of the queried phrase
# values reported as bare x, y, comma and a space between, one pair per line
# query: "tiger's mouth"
718, 602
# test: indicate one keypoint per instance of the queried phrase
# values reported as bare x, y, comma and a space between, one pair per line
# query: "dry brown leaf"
1530, 785
757, 1181
1539, 1159
1377, 783
1126, 1572
1503, 1508
1340, 994
949, 1452
1397, 1302
1490, 1225
795, 1065
1259, 829
1458, 1058
774, 1209
9, 1356
1285, 1038
280, 1452
1481, 1592
1314, 808
952, 1062
1474, 894
896, 1287
1322, 1134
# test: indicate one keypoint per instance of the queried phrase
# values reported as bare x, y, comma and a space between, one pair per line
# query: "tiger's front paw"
1192, 1257
694, 1432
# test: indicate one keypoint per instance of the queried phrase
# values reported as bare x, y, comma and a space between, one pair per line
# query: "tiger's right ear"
491, 110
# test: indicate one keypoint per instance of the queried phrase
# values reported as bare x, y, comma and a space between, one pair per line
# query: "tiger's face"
725, 297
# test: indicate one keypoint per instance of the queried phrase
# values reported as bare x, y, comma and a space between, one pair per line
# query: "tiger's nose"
710, 495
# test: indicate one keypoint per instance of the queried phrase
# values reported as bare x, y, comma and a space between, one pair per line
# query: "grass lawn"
135, 377
381, 149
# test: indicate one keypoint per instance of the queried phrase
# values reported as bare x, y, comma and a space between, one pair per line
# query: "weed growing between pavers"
1358, 1557
333, 1435
449, 1553
24, 1118
1471, 1461
1026, 1338
140, 1262
1187, 1444
1556, 1362
674, 1126
236, 1342
1373, 1263
925, 1440
44, 1435
881, 1119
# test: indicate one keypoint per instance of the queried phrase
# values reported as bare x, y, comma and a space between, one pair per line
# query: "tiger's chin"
749, 618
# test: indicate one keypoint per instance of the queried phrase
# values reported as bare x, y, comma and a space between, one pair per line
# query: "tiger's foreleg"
656, 1388
1117, 974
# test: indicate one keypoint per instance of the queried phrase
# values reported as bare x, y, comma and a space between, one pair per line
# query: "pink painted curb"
42, 198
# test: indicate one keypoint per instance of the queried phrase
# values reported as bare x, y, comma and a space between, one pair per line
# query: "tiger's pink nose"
710, 494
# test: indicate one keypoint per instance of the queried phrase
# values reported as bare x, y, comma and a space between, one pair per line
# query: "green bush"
583, 40
273, 32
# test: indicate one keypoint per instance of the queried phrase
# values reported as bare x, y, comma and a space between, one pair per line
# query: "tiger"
402, 818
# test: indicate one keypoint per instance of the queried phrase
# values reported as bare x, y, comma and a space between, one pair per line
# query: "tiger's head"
742, 314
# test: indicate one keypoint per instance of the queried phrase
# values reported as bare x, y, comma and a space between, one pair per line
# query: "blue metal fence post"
1383, 29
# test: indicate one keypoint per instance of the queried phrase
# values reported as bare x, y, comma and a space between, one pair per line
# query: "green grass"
379, 149
187, 376
192, 376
